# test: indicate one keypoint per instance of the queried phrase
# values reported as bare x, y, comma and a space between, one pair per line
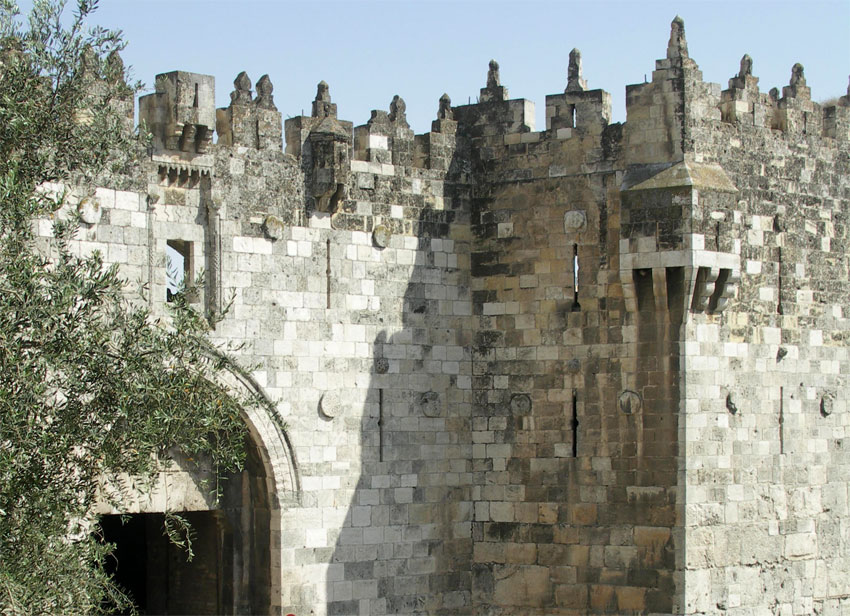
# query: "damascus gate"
581, 368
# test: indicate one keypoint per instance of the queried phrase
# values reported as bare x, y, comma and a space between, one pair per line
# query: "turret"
181, 113
250, 122
587, 111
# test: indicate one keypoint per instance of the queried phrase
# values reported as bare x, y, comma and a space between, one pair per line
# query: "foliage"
90, 383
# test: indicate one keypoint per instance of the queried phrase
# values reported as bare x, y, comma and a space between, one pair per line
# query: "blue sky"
370, 50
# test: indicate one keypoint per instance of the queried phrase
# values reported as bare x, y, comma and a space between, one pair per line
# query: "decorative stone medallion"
575, 221
330, 405
381, 236
382, 365
630, 402
826, 404
520, 404
429, 404
90, 210
273, 226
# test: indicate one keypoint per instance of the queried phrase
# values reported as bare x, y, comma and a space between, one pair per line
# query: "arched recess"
275, 457
237, 564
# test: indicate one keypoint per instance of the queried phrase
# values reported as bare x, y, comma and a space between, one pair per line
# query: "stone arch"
242, 572
281, 477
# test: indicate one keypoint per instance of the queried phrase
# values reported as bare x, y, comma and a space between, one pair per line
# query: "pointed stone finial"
241, 94
322, 105
746, 69
797, 87
493, 80
798, 78
445, 122
744, 79
398, 111
445, 110
265, 88
323, 92
494, 91
575, 80
89, 61
114, 68
677, 47
242, 82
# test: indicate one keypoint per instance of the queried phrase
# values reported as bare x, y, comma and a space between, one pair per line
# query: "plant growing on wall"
90, 382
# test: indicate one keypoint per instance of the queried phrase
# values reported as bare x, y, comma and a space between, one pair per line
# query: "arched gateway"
236, 568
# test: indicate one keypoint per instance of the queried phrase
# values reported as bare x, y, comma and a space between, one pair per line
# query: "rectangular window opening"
178, 268
644, 293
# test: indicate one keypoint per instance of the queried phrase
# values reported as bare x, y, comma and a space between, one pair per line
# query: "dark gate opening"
158, 574
231, 569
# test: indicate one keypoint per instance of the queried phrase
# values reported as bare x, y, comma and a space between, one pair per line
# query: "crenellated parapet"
660, 114
791, 110
386, 138
181, 113
494, 115
248, 121
586, 111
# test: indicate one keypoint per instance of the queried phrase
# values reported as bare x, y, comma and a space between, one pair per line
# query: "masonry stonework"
597, 368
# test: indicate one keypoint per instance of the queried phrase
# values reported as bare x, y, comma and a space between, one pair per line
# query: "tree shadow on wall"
406, 545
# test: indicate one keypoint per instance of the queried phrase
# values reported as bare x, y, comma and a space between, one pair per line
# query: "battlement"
661, 125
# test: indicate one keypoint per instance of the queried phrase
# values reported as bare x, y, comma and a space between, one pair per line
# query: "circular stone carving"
730, 404
629, 402
520, 404
573, 366
382, 365
381, 236
273, 226
90, 210
429, 404
330, 404
575, 221
826, 405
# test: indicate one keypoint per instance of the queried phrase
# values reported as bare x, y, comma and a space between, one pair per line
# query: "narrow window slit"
779, 284
380, 425
328, 273
644, 293
574, 424
576, 306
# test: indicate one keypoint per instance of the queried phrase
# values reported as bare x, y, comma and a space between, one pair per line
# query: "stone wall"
597, 368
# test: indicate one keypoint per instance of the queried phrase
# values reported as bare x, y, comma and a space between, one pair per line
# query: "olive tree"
91, 384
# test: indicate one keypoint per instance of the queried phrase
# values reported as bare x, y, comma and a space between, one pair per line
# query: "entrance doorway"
230, 572
158, 574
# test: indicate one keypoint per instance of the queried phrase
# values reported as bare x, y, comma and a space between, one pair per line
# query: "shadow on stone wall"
405, 545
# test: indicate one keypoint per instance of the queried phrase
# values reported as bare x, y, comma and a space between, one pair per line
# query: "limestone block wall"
599, 368
358, 321
575, 492
765, 411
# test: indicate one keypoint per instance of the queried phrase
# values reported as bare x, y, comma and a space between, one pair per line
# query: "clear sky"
369, 50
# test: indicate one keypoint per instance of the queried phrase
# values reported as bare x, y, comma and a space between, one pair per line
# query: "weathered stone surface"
524, 372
